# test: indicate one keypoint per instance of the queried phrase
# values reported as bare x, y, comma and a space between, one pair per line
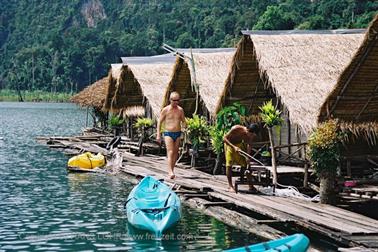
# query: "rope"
89, 160
289, 192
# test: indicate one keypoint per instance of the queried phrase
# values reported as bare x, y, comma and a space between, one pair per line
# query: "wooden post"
288, 135
305, 178
274, 164
86, 119
140, 144
131, 129
349, 168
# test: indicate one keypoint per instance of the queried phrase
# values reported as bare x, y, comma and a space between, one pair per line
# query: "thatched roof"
140, 81
212, 66
115, 91
133, 111
181, 82
93, 95
301, 69
354, 100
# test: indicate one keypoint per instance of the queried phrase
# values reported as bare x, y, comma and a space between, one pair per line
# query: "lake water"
42, 207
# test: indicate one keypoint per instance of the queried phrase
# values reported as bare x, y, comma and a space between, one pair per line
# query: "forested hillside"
62, 46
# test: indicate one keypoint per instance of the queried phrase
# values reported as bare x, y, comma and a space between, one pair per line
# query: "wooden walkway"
341, 225
346, 227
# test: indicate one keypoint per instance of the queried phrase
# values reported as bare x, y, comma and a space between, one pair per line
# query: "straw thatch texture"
181, 83
133, 111
93, 95
302, 69
244, 84
113, 77
139, 83
212, 69
354, 101
152, 79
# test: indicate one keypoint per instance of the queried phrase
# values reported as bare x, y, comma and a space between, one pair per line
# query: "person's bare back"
239, 134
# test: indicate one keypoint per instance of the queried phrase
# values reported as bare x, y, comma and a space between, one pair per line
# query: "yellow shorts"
233, 157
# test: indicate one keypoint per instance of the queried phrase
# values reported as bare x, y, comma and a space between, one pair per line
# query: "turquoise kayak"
291, 243
153, 206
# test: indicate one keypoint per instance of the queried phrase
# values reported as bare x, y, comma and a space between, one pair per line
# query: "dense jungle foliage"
62, 46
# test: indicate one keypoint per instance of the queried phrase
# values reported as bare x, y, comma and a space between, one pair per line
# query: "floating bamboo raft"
345, 227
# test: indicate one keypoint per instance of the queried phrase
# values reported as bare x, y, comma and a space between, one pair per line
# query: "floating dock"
342, 226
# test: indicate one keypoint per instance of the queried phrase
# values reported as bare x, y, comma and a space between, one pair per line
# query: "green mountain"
62, 46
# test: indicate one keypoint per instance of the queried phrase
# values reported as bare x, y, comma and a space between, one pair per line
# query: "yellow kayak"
87, 161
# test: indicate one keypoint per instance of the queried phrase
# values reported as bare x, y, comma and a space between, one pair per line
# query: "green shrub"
143, 122
116, 121
216, 137
226, 118
198, 129
230, 116
324, 148
270, 115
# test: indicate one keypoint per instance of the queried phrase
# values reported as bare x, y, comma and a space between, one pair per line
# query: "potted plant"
324, 152
142, 125
198, 132
216, 138
271, 118
116, 123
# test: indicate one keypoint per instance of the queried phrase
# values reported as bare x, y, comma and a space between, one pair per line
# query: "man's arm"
160, 121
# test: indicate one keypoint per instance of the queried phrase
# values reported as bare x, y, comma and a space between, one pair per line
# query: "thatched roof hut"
298, 69
354, 100
139, 81
211, 67
93, 95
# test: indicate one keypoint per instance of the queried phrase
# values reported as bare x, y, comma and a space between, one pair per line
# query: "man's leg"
250, 181
228, 156
242, 172
176, 154
229, 178
170, 145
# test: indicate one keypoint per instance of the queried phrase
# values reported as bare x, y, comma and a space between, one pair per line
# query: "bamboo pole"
274, 164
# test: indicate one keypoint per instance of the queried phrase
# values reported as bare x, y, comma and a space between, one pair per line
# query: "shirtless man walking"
237, 139
173, 117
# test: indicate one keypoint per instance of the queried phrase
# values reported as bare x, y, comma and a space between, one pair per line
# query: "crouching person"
239, 138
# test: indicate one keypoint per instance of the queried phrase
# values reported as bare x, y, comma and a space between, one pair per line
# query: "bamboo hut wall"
289, 133
244, 83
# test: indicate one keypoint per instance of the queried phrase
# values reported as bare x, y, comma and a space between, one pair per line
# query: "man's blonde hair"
174, 93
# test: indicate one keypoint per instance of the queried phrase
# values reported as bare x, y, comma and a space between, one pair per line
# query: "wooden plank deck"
342, 225
346, 227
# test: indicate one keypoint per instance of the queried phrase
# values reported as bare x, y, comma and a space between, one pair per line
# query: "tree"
324, 144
